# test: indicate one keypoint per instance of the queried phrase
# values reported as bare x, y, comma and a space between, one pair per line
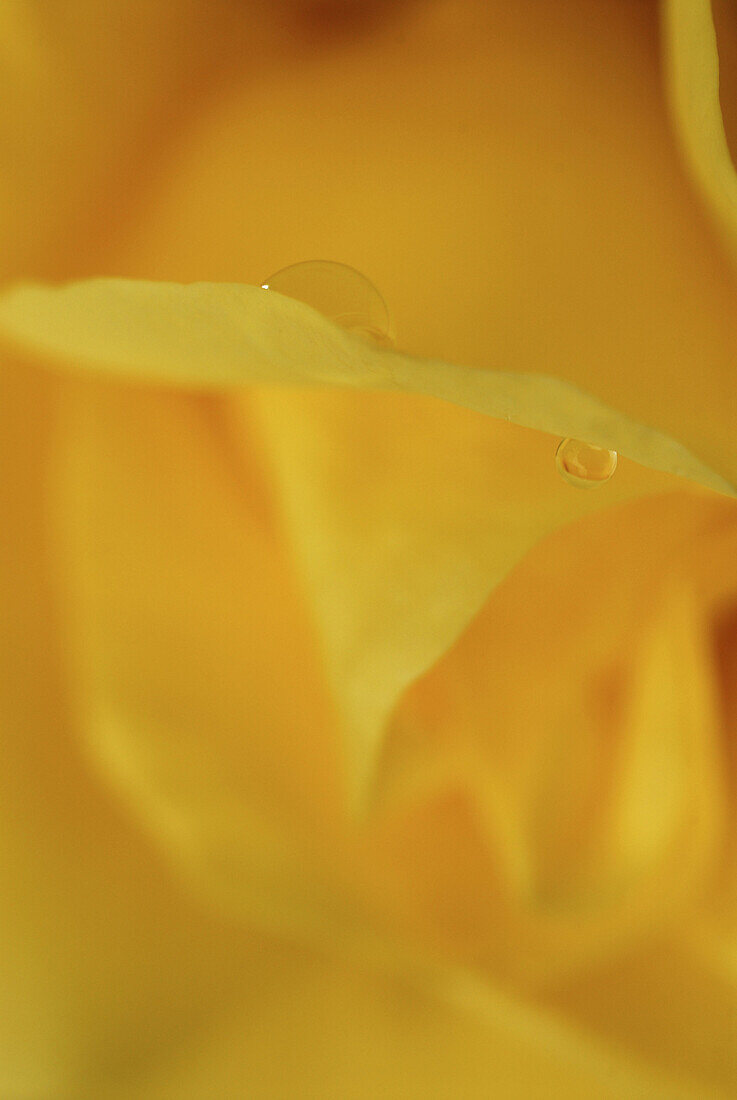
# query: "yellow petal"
693, 83
203, 336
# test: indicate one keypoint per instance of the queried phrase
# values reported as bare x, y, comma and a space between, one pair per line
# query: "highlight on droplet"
583, 465
340, 293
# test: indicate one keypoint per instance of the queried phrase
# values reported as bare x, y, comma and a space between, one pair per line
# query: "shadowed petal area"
91, 95
322, 1029
671, 1002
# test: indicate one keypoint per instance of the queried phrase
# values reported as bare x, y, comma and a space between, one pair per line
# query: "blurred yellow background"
347, 750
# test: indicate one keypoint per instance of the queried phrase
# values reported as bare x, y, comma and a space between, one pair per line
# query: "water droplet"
583, 465
340, 293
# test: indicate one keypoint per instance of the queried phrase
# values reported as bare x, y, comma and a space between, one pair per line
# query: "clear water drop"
340, 293
584, 465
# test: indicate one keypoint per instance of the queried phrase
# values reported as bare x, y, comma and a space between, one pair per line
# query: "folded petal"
569, 746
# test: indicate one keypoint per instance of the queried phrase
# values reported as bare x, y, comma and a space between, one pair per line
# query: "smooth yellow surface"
252, 567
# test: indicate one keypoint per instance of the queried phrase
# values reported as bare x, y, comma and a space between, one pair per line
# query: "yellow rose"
348, 750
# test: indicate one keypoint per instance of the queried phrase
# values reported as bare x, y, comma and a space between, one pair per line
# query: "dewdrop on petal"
583, 465
340, 293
